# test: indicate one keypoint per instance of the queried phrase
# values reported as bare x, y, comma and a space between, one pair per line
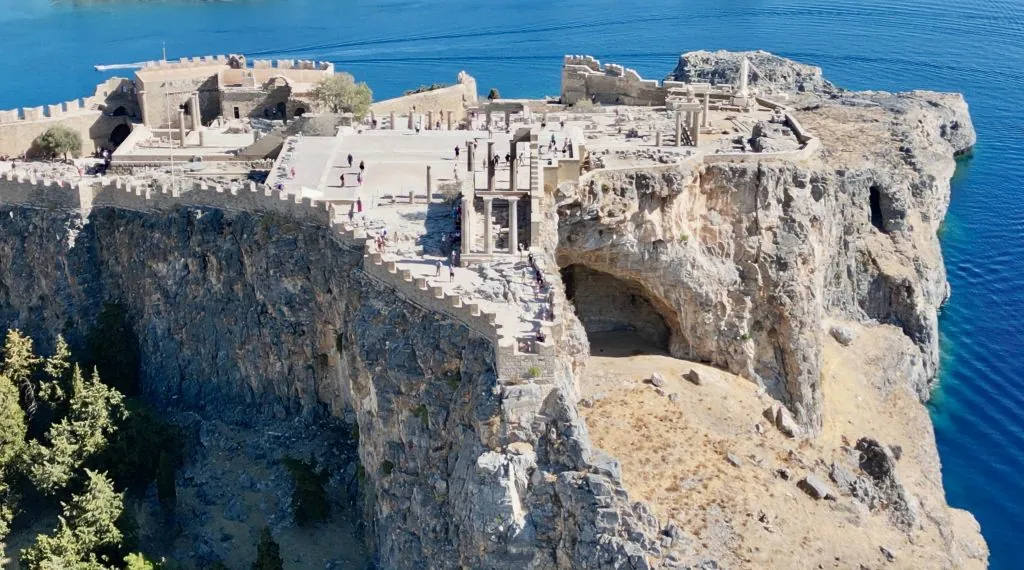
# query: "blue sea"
48, 49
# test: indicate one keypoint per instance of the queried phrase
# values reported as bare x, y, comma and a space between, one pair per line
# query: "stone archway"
119, 134
300, 111
120, 111
618, 316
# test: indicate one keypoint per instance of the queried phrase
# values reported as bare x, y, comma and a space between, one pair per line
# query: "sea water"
48, 48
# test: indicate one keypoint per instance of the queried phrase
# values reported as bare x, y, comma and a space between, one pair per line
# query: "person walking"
342, 179
437, 269
456, 152
362, 166
451, 273
350, 160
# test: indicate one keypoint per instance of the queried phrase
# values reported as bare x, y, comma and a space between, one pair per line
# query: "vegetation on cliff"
68, 438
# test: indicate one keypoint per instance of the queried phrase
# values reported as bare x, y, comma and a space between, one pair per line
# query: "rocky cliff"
243, 312
249, 314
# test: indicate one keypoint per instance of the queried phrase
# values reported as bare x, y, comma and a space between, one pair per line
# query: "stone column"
470, 151
488, 233
181, 127
430, 120
490, 168
429, 186
508, 120
513, 224
488, 118
544, 119
449, 120
392, 124
707, 108
513, 165
695, 128
657, 138
410, 127
467, 225
679, 128
744, 72
197, 119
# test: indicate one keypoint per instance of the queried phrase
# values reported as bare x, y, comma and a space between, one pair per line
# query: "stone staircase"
517, 361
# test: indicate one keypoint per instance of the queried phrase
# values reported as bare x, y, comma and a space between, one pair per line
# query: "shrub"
421, 412
533, 372
309, 498
493, 94
60, 140
425, 88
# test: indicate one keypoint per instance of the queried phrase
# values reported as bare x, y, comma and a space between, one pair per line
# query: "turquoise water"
973, 47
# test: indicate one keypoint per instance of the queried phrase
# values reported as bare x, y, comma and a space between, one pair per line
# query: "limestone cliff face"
744, 261
243, 315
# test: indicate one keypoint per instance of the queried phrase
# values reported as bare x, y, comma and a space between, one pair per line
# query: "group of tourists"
359, 175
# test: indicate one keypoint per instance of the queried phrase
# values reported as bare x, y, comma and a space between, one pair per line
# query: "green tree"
19, 365
166, 490
268, 553
138, 561
55, 387
60, 140
89, 523
339, 93
493, 94
94, 411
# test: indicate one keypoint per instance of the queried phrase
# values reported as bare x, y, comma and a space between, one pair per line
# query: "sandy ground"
674, 456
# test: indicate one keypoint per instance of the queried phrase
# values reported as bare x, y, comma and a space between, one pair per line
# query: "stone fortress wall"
452, 99
88, 116
584, 78
513, 364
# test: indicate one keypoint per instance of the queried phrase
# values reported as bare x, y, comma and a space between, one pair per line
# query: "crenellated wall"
90, 117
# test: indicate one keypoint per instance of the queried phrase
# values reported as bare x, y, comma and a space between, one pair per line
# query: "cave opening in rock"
619, 318
876, 208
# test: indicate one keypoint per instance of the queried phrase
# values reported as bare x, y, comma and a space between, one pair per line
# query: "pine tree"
54, 389
88, 523
92, 418
165, 487
268, 553
19, 365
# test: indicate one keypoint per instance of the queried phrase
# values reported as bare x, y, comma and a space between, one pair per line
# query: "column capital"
488, 199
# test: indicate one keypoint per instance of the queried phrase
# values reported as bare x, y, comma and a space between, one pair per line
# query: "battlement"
187, 62
84, 195
306, 64
41, 112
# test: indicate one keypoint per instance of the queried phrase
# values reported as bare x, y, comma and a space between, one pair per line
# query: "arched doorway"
280, 110
618, 316
300, 112
120, 112
119, 134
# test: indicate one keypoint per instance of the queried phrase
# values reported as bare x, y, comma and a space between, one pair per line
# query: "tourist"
359, 205
451, 273
292, 173
362, 166
359, 178
342, 179
350, 160
456, 152
437, 269
451, 256
508, 159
